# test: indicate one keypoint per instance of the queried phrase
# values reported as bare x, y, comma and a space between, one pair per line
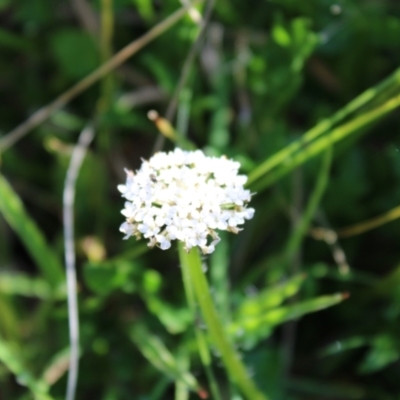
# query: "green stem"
200, 337
219, 278
181, 389
315, 198
236, 370
325, 125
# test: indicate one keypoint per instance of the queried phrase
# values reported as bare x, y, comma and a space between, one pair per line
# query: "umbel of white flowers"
186, 196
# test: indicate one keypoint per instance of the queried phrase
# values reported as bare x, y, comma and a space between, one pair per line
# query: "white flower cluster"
184, 195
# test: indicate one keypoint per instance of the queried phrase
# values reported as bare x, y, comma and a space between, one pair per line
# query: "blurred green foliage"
266, 72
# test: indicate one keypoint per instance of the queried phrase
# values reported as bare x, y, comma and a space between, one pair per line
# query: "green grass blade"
325, 126
154, 350
10, 358
311, 208
15, 214
270, 297
282, 314
325, 142
175, 320
9, 326
23, 285
250, 328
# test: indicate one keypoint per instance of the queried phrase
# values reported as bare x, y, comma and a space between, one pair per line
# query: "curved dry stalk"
329, 236
68, 217
128, 51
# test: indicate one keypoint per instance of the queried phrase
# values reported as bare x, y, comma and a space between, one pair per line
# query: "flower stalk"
204, 351
191, 264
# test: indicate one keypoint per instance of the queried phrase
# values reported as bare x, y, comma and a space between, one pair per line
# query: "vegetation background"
255, 76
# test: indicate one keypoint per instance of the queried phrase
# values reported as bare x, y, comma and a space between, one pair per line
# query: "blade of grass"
160, 357
15, 214
24, 285
11, 359
9, 327
325, 125
279, 315
323, 143
315, 198
158, 392
270, 297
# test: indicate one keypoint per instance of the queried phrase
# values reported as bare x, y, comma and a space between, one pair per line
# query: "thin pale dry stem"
68, 211
45, 112
141, 96
329, 236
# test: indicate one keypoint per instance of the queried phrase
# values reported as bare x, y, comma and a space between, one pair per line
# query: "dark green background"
267, 72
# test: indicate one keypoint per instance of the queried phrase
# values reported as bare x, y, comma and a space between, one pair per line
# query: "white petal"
165, 245
122, 188
249, 213
182, 192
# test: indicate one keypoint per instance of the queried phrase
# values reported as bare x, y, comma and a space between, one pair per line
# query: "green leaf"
281, 35
120, 272
344, 345
384, 351
10, 358
24, 285
105, 277
269, 298
326, 390
145, 8
154, 350
13, 41
250, 328
175, 320
9, 328
297, 153
324, 142
14, 213
68, 46
4, 3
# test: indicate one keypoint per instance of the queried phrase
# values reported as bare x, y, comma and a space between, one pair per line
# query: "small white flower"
164, 243
186, 196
